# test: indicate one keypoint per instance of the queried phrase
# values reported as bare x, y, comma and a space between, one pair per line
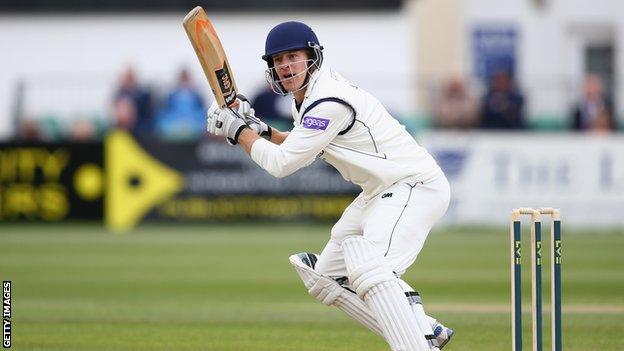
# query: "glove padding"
225, 122
261, 128
249, 115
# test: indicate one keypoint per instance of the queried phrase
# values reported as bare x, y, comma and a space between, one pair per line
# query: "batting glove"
225, 122
249, 114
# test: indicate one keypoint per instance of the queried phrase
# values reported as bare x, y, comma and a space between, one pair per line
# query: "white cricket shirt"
351, 130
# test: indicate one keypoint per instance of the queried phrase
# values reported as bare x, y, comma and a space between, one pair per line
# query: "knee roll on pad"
326, 290
365, 266
320, 287
368, 275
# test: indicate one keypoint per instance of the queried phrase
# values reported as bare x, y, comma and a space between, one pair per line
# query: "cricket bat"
211, 56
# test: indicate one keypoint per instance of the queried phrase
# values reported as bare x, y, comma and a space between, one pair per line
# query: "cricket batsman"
404, 191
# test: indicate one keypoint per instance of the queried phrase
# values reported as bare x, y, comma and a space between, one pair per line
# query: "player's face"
290, 67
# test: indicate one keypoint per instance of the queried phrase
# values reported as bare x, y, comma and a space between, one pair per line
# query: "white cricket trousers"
397, 221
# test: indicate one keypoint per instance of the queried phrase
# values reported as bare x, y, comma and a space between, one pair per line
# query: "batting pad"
415, 302
380, 289
330, 293
425, 323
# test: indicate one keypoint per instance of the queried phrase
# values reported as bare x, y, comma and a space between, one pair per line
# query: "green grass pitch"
230, 287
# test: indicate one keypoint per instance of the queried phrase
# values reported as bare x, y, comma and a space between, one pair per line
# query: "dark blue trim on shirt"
332, 99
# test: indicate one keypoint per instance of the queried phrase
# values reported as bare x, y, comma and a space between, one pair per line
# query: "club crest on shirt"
317, 123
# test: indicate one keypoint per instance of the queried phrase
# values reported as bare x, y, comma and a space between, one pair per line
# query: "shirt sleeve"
318, 128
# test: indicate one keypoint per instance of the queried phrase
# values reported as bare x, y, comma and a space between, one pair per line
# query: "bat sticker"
225, 83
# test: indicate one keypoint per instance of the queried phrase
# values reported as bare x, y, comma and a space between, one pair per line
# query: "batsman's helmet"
289, 36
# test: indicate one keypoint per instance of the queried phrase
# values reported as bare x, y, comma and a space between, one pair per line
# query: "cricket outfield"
230, 287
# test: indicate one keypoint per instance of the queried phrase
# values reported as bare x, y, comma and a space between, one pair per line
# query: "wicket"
536, 277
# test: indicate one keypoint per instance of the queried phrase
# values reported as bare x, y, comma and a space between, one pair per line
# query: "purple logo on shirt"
317, 123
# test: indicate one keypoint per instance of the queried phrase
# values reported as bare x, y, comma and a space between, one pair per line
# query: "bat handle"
234, 106
236, 112
235, 103
242, 97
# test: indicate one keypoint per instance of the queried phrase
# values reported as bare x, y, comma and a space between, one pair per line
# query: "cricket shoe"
442, 334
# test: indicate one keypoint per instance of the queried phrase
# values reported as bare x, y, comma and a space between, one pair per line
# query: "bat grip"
250, 117
236, 112
235, 105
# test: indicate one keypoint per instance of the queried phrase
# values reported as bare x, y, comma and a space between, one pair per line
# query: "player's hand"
260, 128
243, 107
249, 114
224, 122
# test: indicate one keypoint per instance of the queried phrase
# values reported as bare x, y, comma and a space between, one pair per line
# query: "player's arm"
267, 132
248, 137
300, 147
243, 107
278, 137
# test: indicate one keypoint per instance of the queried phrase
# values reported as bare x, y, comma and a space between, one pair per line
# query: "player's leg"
413, 209
435, 332
331, 292
376, 284
331, 260
325, 274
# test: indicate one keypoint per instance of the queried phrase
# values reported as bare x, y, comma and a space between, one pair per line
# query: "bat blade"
211, 56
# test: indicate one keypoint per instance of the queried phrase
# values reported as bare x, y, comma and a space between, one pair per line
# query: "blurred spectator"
503, 105
132, 106
594, 111
273, 109
125, 113
29, 130
183, 116
44, 128
83, 130
456, 107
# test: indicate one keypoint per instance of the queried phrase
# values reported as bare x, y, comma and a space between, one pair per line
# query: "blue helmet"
290, 36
